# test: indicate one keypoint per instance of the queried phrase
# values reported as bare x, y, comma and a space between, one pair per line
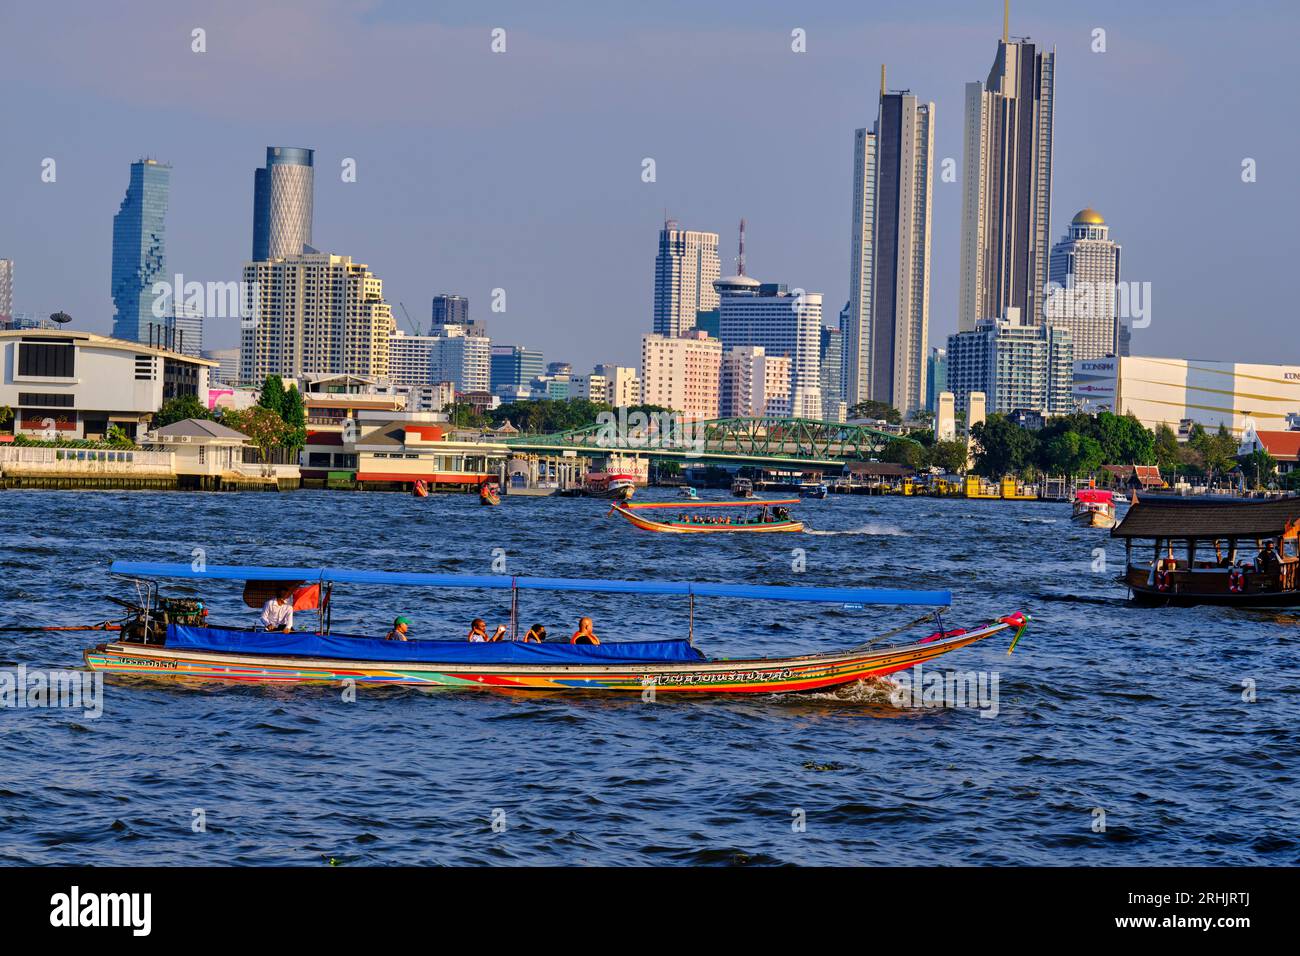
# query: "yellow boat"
696, 523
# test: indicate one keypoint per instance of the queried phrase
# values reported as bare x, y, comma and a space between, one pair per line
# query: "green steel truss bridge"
774, 442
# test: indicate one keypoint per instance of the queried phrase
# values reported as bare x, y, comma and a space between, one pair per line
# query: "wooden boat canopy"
1180, 518
692, 589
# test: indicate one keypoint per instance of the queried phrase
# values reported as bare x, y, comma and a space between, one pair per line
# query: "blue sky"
522, 170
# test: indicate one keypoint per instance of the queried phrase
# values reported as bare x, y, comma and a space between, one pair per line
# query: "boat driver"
400, 627
277, 613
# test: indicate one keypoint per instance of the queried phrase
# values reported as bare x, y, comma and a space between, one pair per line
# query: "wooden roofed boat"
194, 649
643, 515
1233, 552
1094, 508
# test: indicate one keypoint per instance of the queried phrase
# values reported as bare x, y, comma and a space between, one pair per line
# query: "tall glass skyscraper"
282, 203
140, 250
1007, 185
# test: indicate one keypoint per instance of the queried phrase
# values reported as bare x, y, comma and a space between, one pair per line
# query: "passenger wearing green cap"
398, 633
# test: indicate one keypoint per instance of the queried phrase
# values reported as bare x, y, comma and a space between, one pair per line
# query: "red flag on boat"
306, 598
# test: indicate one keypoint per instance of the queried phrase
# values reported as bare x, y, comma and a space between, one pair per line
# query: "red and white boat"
1094, 508
616, 486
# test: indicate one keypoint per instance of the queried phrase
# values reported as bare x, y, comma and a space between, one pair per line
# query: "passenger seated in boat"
477, 632
584, 634
536, 635
498, 635
400, 627
1220, 559
277, 613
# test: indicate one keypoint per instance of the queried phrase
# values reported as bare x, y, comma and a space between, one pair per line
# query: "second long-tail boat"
759, 516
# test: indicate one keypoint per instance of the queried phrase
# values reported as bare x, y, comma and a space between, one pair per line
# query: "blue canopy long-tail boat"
172, 638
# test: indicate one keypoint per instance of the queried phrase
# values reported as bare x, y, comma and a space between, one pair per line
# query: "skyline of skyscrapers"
283, 203
685, 269
1085, 273
140, 250
1007, 185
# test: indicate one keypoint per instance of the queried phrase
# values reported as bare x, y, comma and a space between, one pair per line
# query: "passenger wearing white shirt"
277, 613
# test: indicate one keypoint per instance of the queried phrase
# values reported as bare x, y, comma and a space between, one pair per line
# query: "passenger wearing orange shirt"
584, 633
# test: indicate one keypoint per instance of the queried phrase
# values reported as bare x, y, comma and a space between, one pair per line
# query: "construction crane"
415, 329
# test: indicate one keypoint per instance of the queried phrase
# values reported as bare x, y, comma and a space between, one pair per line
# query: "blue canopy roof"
758, 592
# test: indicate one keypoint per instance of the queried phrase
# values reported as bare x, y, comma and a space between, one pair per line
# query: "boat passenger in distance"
400, 627
536, 635
277, 613
477, 632
498, 635
584, 634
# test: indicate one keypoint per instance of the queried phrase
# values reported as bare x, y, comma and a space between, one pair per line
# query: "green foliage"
264, 427
876, 410
904, 452
1259, 467
273, 395
464, 415
1217, 451
949, 456
178, 410
1169, 453
1002, 447
1072, 454
293, 411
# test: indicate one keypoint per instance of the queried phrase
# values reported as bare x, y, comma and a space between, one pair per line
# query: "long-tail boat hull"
636, 515
782, 675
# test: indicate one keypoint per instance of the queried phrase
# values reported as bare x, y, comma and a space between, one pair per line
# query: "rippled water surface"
1103, 708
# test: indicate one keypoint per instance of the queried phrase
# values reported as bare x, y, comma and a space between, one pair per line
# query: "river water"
1114, 735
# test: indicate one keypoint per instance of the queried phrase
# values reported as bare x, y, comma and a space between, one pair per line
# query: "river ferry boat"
1094, 508
742, 488
1232, 552
185, 646
611, 486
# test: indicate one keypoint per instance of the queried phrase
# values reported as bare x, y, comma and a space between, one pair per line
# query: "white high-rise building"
460, 357
685, 270
1007, 186
783, 323
1015, 364
682, 373
755, 384
1085, 285
856, 322
6, 289
622, 385
313, 314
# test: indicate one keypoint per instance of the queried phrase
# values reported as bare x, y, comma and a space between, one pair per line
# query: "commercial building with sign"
1175, 391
